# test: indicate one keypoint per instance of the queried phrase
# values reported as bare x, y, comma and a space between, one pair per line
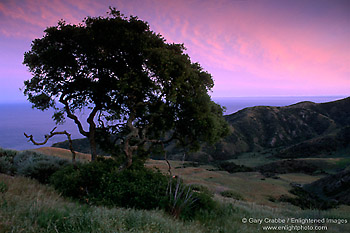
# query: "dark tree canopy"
138, 88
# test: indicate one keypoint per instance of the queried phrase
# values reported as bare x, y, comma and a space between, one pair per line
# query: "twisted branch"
48, 136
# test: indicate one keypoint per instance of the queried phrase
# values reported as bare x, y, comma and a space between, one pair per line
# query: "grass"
299, 178
28, 206
232, 194
62, 153
329, 165
44, 210
251, 185
23, 210
253, 159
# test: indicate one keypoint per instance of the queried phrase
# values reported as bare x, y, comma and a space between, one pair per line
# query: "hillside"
237, 196
334, 187
304, 129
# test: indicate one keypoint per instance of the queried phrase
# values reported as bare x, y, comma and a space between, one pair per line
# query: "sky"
251, 47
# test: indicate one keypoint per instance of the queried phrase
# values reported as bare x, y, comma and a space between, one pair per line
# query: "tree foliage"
138, 88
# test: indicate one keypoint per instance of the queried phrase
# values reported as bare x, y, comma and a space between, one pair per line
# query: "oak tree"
138, 89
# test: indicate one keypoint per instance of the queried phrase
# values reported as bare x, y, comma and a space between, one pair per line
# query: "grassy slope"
45, 209
251, 185
28, 206
62, 153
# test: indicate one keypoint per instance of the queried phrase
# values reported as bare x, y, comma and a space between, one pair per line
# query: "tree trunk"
92, 131
128, 153
93, 147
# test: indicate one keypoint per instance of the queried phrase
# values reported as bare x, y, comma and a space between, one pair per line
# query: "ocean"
17, 118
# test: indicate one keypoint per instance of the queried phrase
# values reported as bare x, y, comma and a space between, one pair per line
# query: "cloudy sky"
251, 47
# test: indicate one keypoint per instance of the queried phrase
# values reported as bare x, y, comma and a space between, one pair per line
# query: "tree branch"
73, 117
91, 117
48, 136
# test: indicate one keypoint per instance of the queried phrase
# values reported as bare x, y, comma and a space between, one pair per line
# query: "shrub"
102, 183
231, 194
203, 202
232, 167
179, 197
37, 166
199, 201
306, 200
30, 164
82, 181
6, 161
140, 189
7, 153
202, 189
6, 166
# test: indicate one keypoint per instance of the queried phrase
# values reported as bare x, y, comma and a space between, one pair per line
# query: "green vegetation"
102, 183
146, 97
232, 167
303, 130
232, 194
288, 166
46, 211
143, 90
30, 164
307, 200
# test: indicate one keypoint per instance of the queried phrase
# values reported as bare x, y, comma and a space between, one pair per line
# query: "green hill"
304, 129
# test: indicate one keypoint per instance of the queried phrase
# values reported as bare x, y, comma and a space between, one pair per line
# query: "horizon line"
216, 97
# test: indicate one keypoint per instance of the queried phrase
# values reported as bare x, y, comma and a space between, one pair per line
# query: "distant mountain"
304, 129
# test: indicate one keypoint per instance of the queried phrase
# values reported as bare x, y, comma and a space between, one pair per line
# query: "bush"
203, 202
201, 189
232, 167
102, 183
6, 166
37, 166
6, 161
232, 194
30, 164
7, 153
306, 200
193, 201
140, 189
83, 181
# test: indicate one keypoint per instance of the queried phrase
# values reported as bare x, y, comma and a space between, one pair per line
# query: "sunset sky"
251, 47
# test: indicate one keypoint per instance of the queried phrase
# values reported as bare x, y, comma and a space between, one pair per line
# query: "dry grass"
62, 153
300, 178
251, 185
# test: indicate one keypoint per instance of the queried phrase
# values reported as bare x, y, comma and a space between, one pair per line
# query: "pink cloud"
273, 51
33, 16
245, 44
